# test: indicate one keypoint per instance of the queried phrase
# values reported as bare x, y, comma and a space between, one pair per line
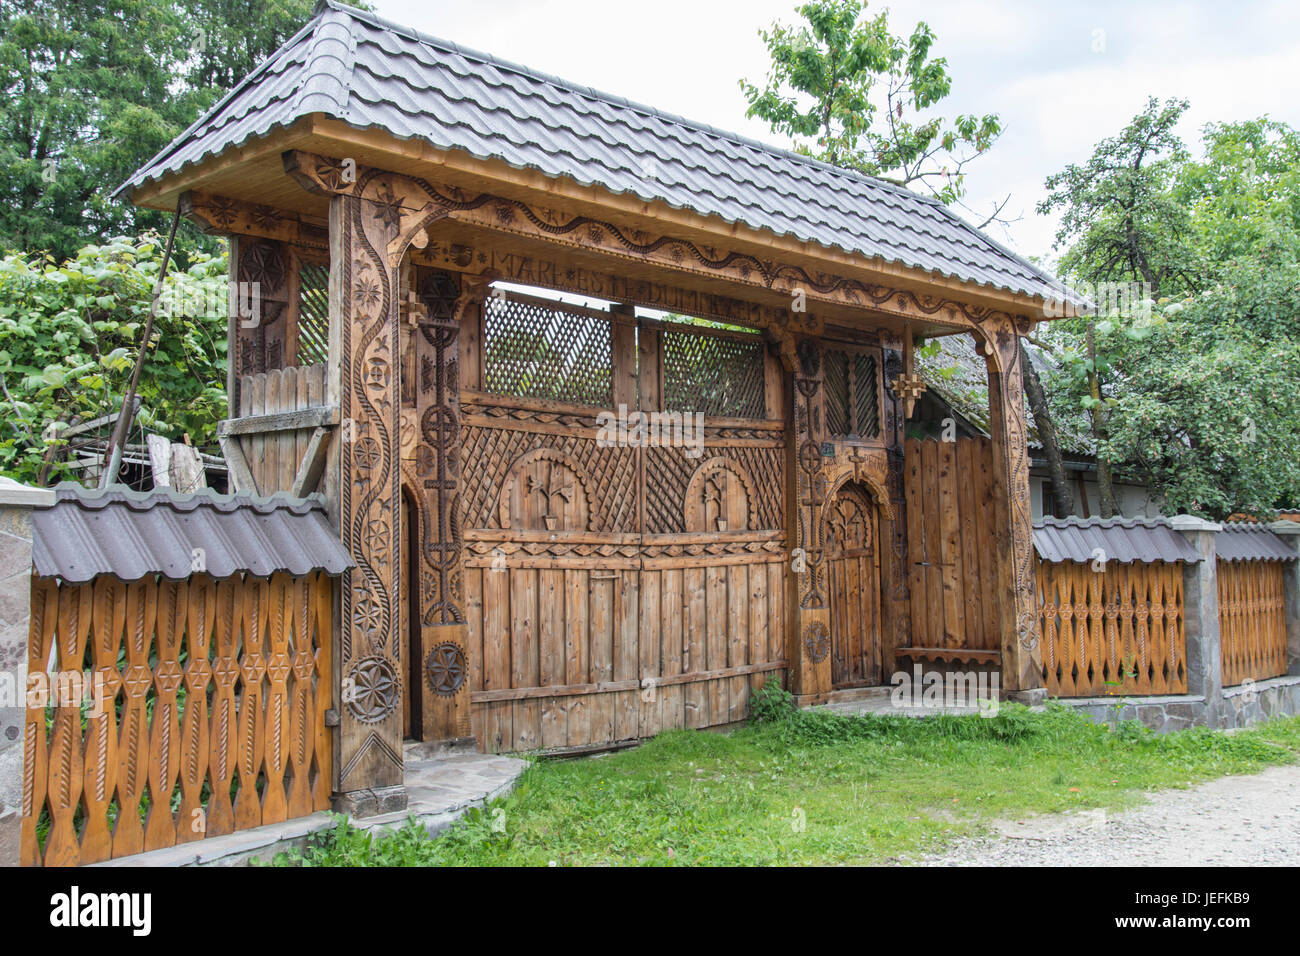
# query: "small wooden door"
854, 577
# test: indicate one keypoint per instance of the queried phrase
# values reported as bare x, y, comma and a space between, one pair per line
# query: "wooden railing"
1117, 631
1252, 620
206, 712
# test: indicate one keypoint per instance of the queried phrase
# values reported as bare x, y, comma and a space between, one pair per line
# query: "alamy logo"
74, 909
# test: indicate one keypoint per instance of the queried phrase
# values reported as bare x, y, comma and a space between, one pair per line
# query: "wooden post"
443, 664
374, 217
809, 640
1014, 534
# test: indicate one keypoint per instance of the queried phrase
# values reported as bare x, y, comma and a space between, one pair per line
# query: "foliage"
93, 88
68, 339
853, 94
870, 790
1193, 387
1120, 219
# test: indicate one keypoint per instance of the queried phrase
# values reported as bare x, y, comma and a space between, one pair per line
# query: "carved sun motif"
375, 689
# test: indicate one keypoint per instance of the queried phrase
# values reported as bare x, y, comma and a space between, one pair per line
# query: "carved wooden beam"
221, 215
674, 254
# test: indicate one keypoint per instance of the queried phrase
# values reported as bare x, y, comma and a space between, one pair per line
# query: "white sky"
1033, 63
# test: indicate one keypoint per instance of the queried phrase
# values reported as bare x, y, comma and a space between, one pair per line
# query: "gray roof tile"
131, 534
365, 71
1250, 541
1120, 539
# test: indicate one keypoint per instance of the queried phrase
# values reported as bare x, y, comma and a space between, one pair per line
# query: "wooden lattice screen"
313, 314
216, 695
535, 348
713, 372
852, 394
1117, 631
1252, 620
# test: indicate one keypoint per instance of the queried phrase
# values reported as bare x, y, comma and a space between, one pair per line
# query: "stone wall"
16, 503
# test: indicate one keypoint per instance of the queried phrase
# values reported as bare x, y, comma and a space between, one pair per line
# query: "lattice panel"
313, 314
1119, 631
852, 394
718, 375
544, 351
668, 472
488, 453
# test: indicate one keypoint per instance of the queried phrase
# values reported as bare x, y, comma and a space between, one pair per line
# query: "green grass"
810, 787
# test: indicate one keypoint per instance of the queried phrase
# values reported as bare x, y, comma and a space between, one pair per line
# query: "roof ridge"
320, 77
202, 497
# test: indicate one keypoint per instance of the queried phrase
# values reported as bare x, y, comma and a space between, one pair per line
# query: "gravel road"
1249, 820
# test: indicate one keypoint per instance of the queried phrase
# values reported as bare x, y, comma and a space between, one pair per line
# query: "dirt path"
1233, 821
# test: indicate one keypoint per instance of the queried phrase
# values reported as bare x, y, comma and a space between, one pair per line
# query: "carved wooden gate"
624, 574
853, 576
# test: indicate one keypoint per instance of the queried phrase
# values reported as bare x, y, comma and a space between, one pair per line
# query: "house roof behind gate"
131, 534
371, 74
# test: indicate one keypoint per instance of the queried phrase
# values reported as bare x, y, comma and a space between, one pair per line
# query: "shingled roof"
131, 534
352, 66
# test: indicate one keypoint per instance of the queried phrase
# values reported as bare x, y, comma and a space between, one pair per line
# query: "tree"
93, 88
1192, 385
1122, 224
851, 93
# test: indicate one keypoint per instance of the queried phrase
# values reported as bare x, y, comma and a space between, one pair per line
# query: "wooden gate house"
545, 550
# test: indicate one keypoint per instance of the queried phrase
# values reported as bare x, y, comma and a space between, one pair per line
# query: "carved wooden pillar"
809, 645
1017, 601
894, 570
447, 301
373, 216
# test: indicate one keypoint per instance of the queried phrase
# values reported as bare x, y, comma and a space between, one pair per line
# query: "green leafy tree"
851, 93
93, 88
1192, 388
68, 337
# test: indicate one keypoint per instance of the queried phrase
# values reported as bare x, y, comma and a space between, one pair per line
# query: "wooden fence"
210, 716
282, 416
1252, 620
952, 556
1117, 631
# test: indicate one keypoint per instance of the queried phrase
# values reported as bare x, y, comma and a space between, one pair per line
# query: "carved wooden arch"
576, 514
838, 477
694, 505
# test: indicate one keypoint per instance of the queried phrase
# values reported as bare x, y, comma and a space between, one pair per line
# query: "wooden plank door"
854, 579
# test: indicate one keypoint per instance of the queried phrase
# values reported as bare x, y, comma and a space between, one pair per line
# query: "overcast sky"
1060, 75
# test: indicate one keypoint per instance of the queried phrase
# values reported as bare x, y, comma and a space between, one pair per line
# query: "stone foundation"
1237, 707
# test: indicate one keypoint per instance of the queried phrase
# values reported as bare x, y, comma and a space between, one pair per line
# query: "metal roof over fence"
1119, 539
131, 534
1251, 541
352, 66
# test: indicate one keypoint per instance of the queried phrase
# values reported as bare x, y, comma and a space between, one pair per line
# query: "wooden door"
853, 567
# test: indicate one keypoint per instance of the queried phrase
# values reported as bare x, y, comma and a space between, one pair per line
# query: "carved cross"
909, 386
